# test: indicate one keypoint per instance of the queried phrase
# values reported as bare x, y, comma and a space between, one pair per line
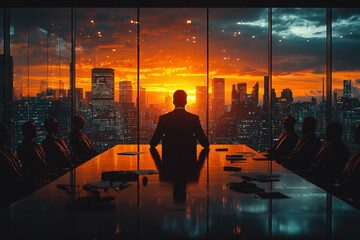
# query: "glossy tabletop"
203, 206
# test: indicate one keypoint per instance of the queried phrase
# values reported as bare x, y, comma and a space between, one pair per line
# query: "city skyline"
238, 49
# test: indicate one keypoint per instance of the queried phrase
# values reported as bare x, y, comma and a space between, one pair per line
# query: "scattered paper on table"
246, 153
105, 184
130, 153
261, 159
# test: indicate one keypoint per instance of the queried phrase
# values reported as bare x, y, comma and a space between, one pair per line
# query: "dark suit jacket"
32, 158
303, 155
57, 152
179, 131
283, 147
14, 183
10, 169
329, 163
81, 146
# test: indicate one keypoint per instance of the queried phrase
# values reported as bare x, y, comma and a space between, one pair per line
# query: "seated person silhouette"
306, 149
349, 179
79, 141
178, 130
14, 183
31, 155
180, 171
286, 143
331, 160
55, 148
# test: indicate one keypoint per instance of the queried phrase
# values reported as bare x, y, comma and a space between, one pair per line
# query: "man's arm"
156, 138
200, 135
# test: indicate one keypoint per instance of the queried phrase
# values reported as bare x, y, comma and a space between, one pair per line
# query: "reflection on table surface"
179, 203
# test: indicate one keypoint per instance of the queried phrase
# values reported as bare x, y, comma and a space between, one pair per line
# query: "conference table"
213, 204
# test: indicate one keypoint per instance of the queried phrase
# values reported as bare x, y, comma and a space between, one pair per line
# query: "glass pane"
40, 50
299, 55
346, 70
238, 69
172, 57
106, 74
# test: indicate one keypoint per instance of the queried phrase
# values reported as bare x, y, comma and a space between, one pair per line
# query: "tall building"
242, 91
234, 96
218, 94
266, 92
103, 114
79, 98
255, 94
287, 95
88, 98
125, 92
347, 88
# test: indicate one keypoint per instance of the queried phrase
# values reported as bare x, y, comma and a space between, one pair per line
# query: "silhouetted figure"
55, 148
179, 129
79, 141
308, 146
14, 183
31, 155
349, 179
286, 143
331, 159
179, 170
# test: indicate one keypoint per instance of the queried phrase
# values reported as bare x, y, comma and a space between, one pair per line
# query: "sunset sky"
173, 50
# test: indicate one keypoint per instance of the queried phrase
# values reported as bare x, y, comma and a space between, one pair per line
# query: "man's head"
4, 134
308, 125
180, 98
289, 123
29, 130
334, 131
52, 126
79, 122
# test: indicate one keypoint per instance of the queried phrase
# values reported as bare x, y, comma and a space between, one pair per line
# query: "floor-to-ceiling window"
224, 70
106, 74
39, 69
299, 67
172, 56
238, 48
346, 69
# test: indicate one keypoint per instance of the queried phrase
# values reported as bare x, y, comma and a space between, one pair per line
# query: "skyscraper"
266, 92
125, 92
255, 94
103, 104
218, 93
242, 91
287, 95
79, 97
347, 88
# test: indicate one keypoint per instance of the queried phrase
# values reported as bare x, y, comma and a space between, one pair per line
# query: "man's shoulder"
179, 112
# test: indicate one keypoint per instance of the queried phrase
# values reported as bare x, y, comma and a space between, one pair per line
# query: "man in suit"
286, 143
306, 149
55, 148
31, 155
14, 182
178, 130
331, 160
349, 179
79, 141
